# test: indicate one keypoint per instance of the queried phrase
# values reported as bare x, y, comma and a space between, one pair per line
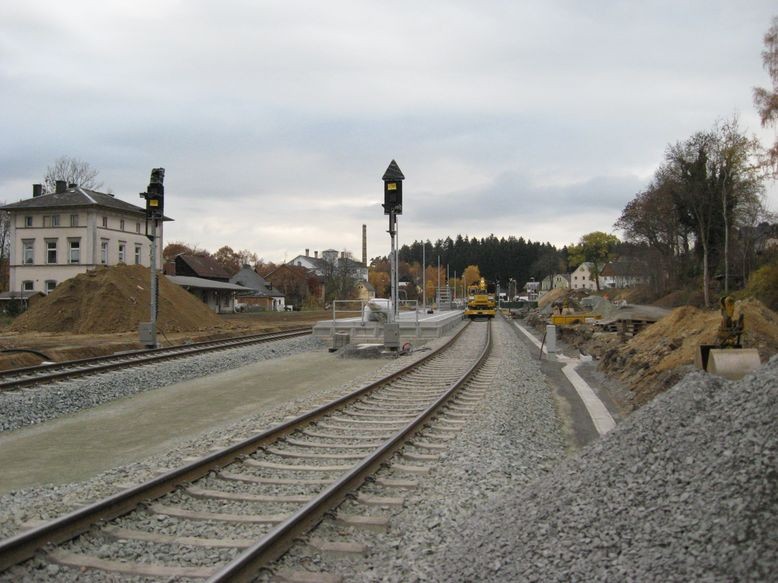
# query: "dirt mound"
551, 296
680, 298
660, 355
115, 299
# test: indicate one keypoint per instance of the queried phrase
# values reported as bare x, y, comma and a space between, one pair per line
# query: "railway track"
45, 373
228, 515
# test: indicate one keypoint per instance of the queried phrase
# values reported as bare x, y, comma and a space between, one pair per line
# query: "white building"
58, 235
330, 259
583, 277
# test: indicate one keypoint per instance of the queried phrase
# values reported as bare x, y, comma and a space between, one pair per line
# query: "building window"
51, 251
121, 224
104, 251
105, 222
74, 246
50, 285
137, 253
28, 286
51, 221
28, 246
28, 221
122, 252
73, 220
137, 227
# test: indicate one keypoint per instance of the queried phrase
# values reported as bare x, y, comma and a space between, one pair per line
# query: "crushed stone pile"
660, 355
115, 299
685, 489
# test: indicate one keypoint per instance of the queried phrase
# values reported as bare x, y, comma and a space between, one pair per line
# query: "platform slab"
413, 326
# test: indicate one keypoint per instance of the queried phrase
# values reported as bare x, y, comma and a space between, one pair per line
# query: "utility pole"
424, 272
393, 206
155, 205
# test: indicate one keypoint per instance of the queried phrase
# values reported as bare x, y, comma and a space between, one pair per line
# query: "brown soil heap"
115, 299
660, 355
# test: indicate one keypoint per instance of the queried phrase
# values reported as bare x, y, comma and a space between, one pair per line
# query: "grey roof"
393, 172
202, 283
75, 197
249, 278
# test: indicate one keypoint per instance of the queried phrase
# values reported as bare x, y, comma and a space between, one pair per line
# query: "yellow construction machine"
727, 357
479, 302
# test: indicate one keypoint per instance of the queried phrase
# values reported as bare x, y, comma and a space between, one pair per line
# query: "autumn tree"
72, 171
176, 248
766, 100
471, 275
596, 248
380, 281
228, 259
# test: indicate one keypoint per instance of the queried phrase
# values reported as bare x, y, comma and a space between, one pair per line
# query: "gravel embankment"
37, 404
686, 489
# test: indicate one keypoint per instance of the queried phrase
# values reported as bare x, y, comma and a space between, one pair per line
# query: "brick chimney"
61, 186
37, 190
316, 254
364, 245
307, 252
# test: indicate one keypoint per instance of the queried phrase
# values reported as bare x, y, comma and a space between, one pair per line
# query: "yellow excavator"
727, 357
479, 303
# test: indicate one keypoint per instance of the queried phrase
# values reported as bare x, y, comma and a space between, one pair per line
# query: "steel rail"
276, 542
133, 358
24, 545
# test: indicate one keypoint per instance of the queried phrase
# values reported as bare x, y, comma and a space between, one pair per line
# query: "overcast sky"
275, 120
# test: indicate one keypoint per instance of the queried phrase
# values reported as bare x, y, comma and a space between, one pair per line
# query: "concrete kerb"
601, 418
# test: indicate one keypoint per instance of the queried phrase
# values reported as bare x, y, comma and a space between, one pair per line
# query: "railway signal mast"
393, 206
155, 209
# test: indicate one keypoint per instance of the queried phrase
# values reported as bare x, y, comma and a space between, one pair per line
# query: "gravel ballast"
686, 489
683, 489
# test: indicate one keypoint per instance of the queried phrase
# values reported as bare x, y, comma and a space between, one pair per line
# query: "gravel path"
38, 404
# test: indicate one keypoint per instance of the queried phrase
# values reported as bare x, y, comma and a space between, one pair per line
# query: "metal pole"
154, 282
396, 270
391, 264
437, 298
424, 272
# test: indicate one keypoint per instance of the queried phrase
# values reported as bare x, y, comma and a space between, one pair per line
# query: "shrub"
763, 285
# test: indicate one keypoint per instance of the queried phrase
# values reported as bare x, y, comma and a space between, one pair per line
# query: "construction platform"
414, 326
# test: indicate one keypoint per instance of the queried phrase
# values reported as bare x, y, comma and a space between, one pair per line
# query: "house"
532, 287
583, 277
264, 295
365, 290
560, 281
58, 235
621, 274
200, 266
299, 284
546, 283
207, 280
329, 260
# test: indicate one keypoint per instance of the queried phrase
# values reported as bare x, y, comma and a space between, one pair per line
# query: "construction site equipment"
727, 357
479, 302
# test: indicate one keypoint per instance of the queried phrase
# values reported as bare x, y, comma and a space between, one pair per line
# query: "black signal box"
393, 189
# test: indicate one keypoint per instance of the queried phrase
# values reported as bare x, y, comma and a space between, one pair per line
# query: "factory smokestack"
364, 245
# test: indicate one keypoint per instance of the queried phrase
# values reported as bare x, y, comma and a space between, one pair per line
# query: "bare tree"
5, 247
766, 101
72, 171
